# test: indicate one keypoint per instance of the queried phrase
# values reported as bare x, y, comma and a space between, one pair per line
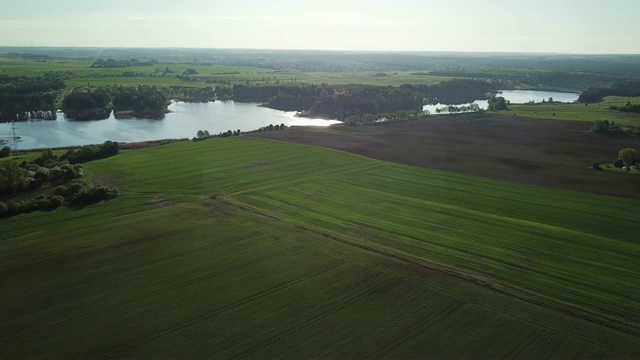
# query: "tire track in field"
524, 345
446, 312
99, 311
210, 314
505, 289
248, 353
52, 286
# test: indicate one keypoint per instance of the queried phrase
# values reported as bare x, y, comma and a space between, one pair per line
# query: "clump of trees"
202, 134
112, 63
5, 151
76, 194
13, 178
40, 203
191, 94
631, 108
497, 103
630, 88
22, 98
229, 133
54, 170
628, 156
80, 105
92, 152
610, 128
78, 101
341, 102
142, 101
271, 127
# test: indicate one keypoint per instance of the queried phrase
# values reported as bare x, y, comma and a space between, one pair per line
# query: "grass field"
84, 75
582, 112
240, 248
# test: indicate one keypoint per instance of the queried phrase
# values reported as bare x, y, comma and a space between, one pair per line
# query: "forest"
22, 97
629, 88
341, 102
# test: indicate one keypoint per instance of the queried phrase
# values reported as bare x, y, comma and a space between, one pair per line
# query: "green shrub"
73, 189
109, 148
5, 151
42, 174
93, 194
14, 208
60, 190
55, 202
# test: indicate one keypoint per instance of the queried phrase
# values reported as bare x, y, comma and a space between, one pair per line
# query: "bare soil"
550, 153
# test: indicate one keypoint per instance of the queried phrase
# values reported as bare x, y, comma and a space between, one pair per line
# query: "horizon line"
497, 52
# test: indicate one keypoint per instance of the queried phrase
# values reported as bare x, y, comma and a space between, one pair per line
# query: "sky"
558, 26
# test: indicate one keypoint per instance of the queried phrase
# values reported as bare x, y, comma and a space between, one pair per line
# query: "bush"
60, 190
5, 151
93, 194
73, 189
3, 209
42, 174
13, 178
70, 172
55, 202
628, 156
109, 148
14, 208
92, 152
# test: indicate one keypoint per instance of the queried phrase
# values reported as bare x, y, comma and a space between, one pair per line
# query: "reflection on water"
512, 96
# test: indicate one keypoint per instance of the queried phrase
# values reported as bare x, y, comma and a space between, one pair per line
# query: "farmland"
251, 248
80, 73
579, 112
542, 152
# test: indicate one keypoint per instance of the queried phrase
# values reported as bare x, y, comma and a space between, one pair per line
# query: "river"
514, 97
184, 121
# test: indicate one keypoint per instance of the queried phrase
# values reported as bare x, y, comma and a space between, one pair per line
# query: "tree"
5, 151
12, 178
628, 156
109, 148
497, 103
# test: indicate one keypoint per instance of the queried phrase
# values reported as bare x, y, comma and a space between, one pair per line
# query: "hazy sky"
567, 26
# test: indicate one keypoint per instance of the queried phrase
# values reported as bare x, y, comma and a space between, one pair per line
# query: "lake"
514, 97
184, 121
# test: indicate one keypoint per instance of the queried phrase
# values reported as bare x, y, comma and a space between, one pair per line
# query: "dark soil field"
549, 153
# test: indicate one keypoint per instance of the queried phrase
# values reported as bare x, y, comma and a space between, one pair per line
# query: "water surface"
184, 121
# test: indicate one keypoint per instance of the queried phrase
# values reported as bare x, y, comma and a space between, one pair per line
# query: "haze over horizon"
579, 27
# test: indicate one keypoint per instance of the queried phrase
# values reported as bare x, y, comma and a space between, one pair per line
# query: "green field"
82, 74
581, 112
240, 248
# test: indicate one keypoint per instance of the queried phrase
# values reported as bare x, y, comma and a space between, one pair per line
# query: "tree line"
96, 105
509, 78
22, 98
343, 101
113, 63
629, 88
